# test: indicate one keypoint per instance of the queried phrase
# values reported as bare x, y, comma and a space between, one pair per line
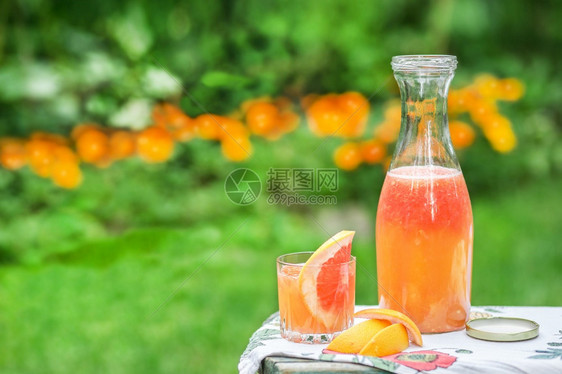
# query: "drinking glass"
314, 310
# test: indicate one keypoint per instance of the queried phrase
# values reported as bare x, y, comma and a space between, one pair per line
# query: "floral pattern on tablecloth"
550, 353
448, 353
423, 360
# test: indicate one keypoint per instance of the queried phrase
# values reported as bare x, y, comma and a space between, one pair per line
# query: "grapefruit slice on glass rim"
320, 280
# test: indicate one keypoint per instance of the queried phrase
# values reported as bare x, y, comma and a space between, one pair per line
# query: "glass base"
310, 338
452, 329
299, 337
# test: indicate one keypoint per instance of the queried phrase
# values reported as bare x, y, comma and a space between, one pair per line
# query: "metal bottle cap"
502, 329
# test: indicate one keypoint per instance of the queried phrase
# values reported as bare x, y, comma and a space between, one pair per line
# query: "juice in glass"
335, 311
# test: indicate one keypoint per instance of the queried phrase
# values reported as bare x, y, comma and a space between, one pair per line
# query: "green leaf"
161, 83
380, 363
467, 351
543, 357
132, 32
268, 334
224, 80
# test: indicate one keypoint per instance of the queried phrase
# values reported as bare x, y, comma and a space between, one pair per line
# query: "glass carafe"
424, 227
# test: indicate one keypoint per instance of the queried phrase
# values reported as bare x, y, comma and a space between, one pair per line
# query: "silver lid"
502, 329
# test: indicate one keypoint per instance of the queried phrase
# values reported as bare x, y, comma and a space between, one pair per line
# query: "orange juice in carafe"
424, 229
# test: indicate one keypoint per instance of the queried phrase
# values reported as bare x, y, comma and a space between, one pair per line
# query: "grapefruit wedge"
394, 317
324, 285
388, 341
355, 338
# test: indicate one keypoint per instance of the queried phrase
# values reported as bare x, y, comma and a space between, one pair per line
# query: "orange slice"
388, 341
394, 317
321, 280
355, 338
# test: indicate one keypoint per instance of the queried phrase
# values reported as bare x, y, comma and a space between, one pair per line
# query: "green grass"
176, 300
517, 257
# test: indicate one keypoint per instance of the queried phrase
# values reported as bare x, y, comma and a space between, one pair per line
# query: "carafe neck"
424, 138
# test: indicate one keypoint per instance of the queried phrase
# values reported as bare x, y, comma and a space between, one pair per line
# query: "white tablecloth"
448, 353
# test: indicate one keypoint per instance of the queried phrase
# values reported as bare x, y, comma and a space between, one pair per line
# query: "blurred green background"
150, 268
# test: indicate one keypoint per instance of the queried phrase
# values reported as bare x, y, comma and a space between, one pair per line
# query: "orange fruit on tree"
185, 132
40, 155
481, 109
236, 146
210, 126
487, 86
66, 174
155, 144
230, 127
497, 129
262, 118
355, 338
122, 144
246, 104
174, 120
496, 121
393, 112
373, 151
358, 108
462, 134
12, 153
324, 116
65, 153
92, 145
51, 138
348, 156
65, 171
320, 280
388, 341
82, 128
271, 119
511, 89
342, 115
460, 101
502, 140
394, 316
